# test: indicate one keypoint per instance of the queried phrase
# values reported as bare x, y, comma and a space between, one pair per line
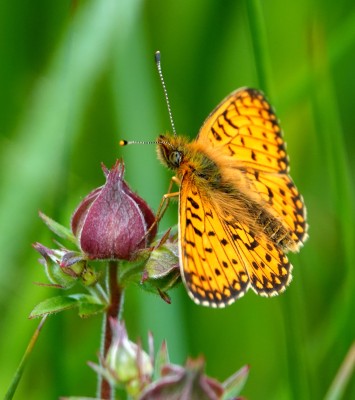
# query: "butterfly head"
171, 150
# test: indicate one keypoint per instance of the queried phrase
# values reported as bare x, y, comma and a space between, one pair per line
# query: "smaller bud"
63, 267
112, 222
125, 363
162, 272
187, 382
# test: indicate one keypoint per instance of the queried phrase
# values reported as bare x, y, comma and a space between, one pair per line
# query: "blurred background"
78, 76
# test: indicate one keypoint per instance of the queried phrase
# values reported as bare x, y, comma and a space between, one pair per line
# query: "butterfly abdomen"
273, 228
236, 206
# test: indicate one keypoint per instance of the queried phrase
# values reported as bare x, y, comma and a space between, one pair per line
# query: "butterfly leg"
166, 199
164, 203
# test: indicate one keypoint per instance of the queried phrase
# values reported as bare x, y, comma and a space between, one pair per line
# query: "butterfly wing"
279, 195
267, 266
245, 129
221, 257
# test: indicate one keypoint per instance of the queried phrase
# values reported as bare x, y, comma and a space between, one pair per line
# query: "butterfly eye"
175, 158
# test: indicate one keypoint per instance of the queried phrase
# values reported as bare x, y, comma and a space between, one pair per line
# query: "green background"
76, 77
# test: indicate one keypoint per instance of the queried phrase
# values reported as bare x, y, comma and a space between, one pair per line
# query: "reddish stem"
112, 311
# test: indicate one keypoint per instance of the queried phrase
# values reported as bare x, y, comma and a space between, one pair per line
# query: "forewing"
212, 270
244, 127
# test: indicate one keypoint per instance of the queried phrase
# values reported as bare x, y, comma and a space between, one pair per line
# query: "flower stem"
18, 375
98, 291
113, 311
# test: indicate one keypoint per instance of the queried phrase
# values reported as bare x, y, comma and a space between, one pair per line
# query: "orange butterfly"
239, 210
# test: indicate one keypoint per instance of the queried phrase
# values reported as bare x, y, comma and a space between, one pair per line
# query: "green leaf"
87, 304
88, 309
53, 305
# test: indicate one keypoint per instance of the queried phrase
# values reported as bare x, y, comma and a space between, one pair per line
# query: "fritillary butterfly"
239, 210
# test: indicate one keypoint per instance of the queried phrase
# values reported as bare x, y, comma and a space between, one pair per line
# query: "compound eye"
175, 158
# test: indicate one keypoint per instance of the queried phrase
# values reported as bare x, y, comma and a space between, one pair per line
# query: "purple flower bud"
112, 222
187, 382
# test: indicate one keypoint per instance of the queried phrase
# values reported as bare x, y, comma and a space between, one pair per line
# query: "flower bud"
125, 364
162, 272
63, 267
112, 222
187, 382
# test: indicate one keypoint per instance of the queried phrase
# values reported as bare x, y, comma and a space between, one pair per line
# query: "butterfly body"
239, 211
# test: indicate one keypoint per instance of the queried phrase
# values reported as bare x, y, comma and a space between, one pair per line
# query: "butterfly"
239, 210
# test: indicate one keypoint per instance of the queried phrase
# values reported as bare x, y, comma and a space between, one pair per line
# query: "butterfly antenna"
127, 142
158, 64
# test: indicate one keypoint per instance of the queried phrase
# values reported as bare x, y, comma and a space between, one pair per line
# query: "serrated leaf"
54, 305
87, 304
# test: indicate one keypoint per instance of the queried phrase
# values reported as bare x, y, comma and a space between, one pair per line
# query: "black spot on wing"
193, 203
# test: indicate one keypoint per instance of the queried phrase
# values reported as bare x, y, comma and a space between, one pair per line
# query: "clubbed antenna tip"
158, 64
157, 57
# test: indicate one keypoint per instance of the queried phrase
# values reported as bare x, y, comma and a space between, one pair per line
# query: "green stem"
16, 379
113, 311
98, 291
